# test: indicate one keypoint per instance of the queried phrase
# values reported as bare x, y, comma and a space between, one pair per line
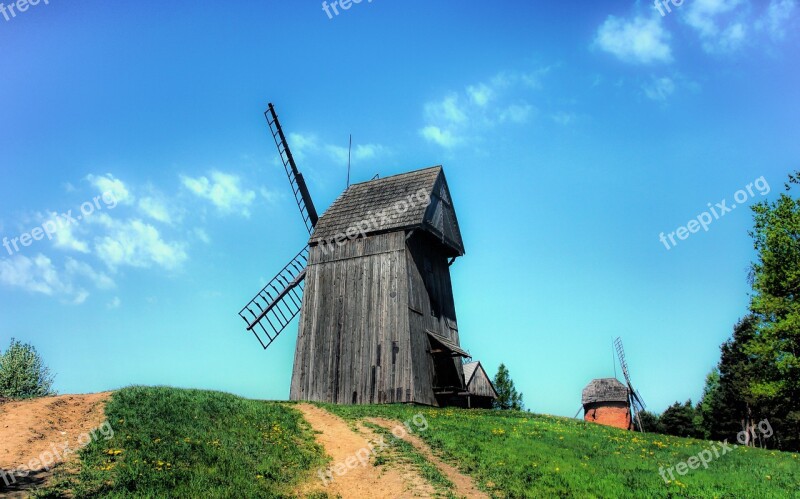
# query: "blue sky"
572, 134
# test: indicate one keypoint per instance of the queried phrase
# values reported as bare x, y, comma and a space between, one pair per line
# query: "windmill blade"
623, 365
296, 181
274, 307
638, 399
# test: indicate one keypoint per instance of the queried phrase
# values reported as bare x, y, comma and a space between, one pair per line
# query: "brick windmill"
373, 291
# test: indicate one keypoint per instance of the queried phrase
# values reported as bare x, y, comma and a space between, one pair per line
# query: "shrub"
23, 373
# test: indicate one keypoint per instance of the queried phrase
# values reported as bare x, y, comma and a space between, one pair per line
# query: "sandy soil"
341, 442
464, 486
32, 428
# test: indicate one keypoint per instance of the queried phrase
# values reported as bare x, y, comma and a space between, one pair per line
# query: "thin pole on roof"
349, 150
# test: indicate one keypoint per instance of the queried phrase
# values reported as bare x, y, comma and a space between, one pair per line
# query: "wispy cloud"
459, 116
305, 145
223, 190
659, 89
361, 152
109, 183
40, 275
641, 40
720, 24
777, 17
136, 243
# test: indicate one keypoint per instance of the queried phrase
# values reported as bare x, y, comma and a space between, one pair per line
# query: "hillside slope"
517, 454
189, 443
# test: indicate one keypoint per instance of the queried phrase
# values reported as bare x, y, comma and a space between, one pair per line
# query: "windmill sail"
301, 194
634, 399
274, 307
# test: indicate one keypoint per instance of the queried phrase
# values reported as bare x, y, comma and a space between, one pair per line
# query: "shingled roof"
417, 199
605, 390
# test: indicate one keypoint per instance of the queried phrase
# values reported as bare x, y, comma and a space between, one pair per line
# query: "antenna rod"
349, 150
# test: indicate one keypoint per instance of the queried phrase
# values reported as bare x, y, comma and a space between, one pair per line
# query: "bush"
23, 373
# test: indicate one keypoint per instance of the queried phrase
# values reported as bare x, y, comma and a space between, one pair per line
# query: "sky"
572, 135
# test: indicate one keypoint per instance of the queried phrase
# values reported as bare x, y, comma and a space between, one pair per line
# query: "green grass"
515, 454
189, 443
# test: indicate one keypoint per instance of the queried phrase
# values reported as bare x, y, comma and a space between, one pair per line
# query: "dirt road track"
30, 428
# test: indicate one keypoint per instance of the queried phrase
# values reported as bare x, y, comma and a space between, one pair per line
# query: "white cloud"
480, 94
361, 152
449, 110
301, 145
641, 40
137, 244
444, 138
156, 209
458, 117
659, 89
718, 23
109, 184
776, 17
39, 275
99, 279
65, 237
202, 235
224, 190
516, 113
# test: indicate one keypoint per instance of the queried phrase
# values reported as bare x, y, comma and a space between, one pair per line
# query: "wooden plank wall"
429, 277
480, 384
353, 344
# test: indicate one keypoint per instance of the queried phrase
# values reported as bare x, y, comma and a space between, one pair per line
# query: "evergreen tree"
679, 420
507, 396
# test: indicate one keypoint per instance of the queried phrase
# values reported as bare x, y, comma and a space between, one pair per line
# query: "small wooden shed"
605, 401
481, 392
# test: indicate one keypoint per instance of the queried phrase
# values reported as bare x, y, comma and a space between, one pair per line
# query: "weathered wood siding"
353, 344
430, 307
480, 384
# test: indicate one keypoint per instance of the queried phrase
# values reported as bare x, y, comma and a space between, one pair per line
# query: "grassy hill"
517, 454
188, 443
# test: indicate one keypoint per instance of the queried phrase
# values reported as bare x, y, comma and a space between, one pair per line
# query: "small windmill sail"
634, 399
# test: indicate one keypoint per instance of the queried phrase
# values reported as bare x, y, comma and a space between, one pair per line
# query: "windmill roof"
417, 199
605, 390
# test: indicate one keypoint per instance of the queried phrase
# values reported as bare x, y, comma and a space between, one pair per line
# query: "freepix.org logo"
11, 10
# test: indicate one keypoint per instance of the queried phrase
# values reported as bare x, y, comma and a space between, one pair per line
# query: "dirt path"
464, 486
34, 429
345, 446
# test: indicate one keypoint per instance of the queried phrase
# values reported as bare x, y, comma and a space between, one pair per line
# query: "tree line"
758, 375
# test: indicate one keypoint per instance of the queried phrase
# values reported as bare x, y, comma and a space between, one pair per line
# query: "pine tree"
507, 396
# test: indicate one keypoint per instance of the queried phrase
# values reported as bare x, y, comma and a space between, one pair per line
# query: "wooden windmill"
609, 402
372, 288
